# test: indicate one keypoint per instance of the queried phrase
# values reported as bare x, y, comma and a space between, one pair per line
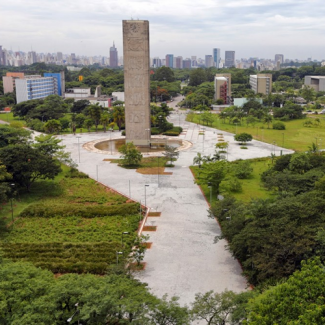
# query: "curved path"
183, 259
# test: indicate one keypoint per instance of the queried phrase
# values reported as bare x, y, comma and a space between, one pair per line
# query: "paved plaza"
183, 259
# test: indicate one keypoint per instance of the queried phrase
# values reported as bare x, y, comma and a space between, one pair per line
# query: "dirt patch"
136, 267
149, 228
147, 245
151, 170
154, 214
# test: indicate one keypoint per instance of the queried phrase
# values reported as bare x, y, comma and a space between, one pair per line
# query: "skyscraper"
230, 59
1, 56
216, 57
170, 60
113, 58
209, 61
279, 57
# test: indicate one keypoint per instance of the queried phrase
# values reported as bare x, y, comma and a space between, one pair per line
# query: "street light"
158, 171
124, 233
117, 254
11, 199
148, 139
145, 195
210, 187
77, 312
78, 137
110, 139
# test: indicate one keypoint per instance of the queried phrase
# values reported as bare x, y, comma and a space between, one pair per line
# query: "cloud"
175, 26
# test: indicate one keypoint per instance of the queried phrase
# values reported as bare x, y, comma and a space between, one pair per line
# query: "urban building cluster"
215, 59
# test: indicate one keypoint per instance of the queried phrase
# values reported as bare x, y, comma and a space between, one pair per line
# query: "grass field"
295, 137
70, 243
8, 117
251, 188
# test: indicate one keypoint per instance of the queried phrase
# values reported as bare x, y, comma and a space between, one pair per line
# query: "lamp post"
148, 140
78, 137
11, 203
210, 187
77, 312
110, 139
158, 171
117, 255
145, 194
203, 139
124, 233
282, 139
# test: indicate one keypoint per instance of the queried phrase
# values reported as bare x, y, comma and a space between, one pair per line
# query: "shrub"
175, 131
279, 126
73, 209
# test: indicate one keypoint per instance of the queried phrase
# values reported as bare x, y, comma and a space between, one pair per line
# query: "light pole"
78, 137
77, 312
11, 199
210, 187
158, 170
282, 139
148, 140
117, 254
145, 194
110, 139
124, 233
203, 139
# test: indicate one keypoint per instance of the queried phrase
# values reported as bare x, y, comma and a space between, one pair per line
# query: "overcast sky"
252, 28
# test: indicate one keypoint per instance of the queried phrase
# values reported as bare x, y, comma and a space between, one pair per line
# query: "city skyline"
252, 28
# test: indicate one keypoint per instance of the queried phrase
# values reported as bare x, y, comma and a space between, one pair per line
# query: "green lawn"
296, 136
9, 117
251, 188
51, 231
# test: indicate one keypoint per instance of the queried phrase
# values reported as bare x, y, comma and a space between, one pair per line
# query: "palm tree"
119, 116
268, 119
104, 121
198, 160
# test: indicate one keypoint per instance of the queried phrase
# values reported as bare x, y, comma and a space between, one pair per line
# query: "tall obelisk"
137, 81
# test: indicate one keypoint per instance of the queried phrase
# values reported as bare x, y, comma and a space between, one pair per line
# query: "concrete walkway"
183, 259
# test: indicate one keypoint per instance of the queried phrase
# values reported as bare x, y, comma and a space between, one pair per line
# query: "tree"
139, 248
52, 126
308, 93
105, 119
164, 73
26, 164
119, 116
214, 308
10, 136
79, 106
213, 173
198, 159
131, 156
243, 169
243, 138
171, 153
268, 119
88, 123
95, 111
300, 300
197, 77
49, 145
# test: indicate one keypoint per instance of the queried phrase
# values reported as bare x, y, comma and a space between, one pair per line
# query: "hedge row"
86, 211
65, 257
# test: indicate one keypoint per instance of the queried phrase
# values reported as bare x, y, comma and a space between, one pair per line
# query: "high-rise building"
222, 87
32, 57
1, 56
261, 83
279, 57
170, 60
60, 82
35, 87
156, 62
216, 57
187, 63
59, 56
230, 59
209, 61
179, 62
316, 82
113, 57
9, 81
